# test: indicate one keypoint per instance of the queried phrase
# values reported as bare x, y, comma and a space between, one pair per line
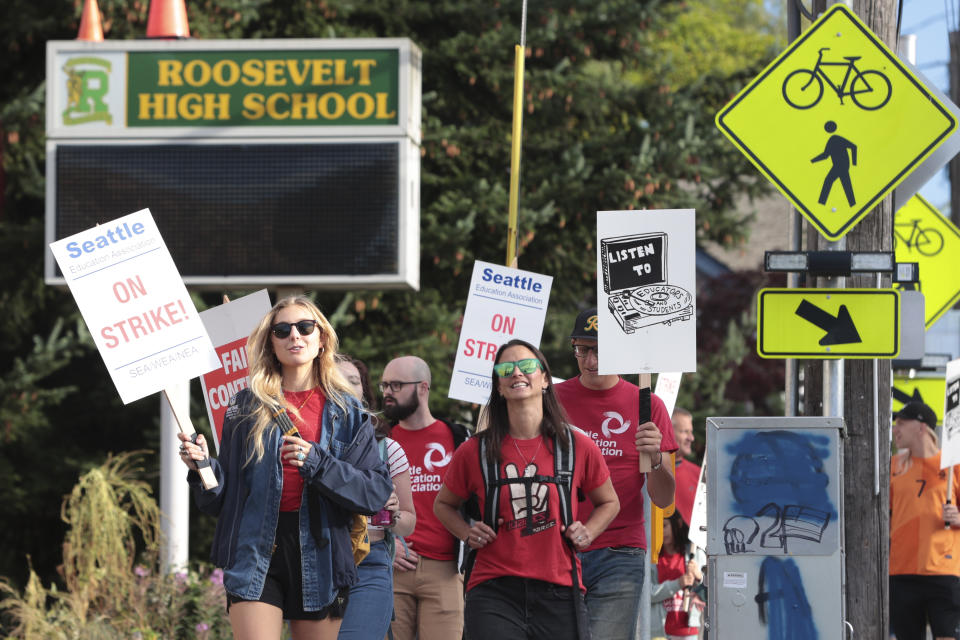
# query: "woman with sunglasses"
297, 459
521, 584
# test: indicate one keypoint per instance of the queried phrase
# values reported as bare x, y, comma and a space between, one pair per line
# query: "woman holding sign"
526, 468
298, 459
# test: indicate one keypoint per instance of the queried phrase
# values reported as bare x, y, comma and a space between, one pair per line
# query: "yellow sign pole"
515, 154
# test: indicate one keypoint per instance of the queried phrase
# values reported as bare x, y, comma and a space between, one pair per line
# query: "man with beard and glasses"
427, 585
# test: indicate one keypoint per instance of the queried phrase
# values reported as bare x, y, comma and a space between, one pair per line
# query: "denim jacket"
343, 475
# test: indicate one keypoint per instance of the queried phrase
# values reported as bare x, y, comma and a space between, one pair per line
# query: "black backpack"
563, 464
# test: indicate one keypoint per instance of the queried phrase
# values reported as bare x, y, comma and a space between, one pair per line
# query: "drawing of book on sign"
635, 280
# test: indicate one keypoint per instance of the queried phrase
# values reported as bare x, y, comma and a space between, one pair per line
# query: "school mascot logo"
613, 416
87, 84
436, 456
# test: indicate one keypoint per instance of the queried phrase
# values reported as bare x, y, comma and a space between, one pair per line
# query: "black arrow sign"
840, 329
901, 396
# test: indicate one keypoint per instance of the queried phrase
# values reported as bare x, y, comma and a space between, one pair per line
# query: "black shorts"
282, 587
918, 600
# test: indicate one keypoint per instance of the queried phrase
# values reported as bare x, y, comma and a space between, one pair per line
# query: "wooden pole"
186, 426
867, 521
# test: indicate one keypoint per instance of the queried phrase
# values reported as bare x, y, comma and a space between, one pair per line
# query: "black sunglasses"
304, 328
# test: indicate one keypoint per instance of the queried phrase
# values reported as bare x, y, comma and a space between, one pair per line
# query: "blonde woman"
286, 496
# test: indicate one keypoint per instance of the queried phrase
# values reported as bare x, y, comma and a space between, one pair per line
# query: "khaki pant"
428, 602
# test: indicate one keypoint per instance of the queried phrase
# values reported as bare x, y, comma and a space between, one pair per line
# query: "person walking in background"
371, 598
427, 585
525, 581
606, 407
297, 459
687, 473
674, 578
924, 531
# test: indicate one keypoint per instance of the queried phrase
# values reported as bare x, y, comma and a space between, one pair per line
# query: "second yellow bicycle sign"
836, 122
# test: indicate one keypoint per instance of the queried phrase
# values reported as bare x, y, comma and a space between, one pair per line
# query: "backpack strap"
389, 539
491, 480
563, 461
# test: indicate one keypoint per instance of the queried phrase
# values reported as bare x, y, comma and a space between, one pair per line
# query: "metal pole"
791, 370
833, 369
174, 492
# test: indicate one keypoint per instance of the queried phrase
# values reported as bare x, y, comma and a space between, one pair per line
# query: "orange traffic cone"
91, 28
168, 19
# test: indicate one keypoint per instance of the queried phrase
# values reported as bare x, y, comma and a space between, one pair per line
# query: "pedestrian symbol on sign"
836, 150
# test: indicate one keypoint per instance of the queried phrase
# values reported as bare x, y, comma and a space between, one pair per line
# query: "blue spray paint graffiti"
782, 601
778, 478
780, 467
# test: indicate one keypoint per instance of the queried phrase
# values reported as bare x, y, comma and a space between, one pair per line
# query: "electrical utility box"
775, 528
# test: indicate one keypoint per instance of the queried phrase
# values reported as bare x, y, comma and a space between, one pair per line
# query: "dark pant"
282, 585
512, 608
916, 600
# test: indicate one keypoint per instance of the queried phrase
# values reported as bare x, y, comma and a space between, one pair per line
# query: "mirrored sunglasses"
527, 366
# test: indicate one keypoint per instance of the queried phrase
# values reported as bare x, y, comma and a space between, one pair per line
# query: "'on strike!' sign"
503, 304
135, 304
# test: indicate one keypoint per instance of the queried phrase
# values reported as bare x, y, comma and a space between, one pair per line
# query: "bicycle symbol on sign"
869, 89
928, 242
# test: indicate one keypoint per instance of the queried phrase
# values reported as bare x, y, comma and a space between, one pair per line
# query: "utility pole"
865, 407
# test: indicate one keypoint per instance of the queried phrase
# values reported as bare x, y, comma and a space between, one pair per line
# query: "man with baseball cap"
606, 407
924, 531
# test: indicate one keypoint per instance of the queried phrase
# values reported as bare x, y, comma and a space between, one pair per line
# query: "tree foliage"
618, 104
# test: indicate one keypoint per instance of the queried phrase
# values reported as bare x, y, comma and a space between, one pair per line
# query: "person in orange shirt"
924, 531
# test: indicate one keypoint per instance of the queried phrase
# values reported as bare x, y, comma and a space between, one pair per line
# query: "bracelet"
659, 462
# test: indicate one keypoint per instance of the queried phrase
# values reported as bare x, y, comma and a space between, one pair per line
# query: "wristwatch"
659, 462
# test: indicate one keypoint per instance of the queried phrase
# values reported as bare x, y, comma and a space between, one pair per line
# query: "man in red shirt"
688, 474
427, 585
606, 408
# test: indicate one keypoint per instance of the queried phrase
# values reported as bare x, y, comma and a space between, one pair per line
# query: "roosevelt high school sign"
264, 162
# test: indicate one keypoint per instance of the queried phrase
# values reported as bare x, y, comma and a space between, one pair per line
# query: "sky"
928, 20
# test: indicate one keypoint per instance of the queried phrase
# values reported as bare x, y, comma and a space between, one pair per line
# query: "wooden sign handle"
207, 477
946, 525
644, 416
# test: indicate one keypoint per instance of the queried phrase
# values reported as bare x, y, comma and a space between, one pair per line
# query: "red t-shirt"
540, 554
610, 418
429, 451
309, 426
688, 477
671, 566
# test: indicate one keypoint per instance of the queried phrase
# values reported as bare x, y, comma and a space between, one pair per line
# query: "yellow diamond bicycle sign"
836, 122
922, 235
828, 323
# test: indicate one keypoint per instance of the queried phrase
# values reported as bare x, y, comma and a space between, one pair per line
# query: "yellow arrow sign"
930, 391
922, 235
828, 323
836, 122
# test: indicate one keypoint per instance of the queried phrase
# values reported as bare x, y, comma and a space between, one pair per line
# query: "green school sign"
271, 88
324, 87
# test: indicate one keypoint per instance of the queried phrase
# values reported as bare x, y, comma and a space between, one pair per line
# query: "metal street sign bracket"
832, 264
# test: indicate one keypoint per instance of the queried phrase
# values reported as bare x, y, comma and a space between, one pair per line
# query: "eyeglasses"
527, 366
304, 328
395, 385
583, 350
